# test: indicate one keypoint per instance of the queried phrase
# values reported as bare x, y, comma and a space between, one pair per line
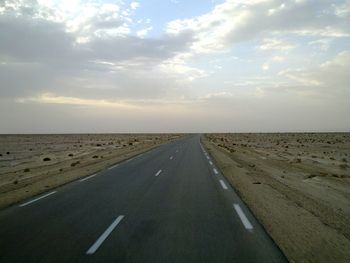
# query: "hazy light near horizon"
173, 66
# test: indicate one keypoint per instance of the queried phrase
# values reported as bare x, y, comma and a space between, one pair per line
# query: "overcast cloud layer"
172, 66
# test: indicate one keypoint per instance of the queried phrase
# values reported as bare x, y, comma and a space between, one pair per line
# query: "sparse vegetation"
75, 163
343, 166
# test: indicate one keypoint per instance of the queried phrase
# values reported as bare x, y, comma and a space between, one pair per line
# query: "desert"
32, 164
296, 184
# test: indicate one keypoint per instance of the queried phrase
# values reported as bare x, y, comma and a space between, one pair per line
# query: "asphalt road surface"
170, 204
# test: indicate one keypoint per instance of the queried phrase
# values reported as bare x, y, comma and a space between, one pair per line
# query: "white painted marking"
208, 157
215, 171
158, 173
112, 167
223, 184
87, 178
37, 199
103, 237
211, 163
171, 157
243, 218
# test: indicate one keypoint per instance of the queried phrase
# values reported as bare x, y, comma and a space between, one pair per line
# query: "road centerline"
103, 237
37, 199
215, 171
158, 173
243, 217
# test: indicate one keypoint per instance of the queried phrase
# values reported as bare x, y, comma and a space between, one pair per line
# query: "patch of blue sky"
160, 12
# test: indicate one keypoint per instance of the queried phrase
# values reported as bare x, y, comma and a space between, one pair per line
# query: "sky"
106, 66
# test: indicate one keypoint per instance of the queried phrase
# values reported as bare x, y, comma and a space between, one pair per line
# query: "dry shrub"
75, 163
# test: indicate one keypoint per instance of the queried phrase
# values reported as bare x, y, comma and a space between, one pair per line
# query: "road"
170, 204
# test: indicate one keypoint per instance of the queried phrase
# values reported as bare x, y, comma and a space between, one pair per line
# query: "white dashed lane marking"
37, 199
87, 178
243, 217
223, 184
103, 237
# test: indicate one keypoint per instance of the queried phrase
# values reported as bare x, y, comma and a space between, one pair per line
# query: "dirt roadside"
306, 228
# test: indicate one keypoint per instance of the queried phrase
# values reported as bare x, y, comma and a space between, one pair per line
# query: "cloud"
275, 59
143, 33
276, 44
25, 39
52, 99
331, 78
235, 21
134, 5
99, 57
73, 52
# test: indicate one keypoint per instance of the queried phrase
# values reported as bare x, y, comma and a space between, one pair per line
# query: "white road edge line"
87, 178
215, 171
243, 218
37, 199
158, 173
223, 184
211, 163
103, 237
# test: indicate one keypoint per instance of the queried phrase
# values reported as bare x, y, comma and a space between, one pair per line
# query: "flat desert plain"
32, 164
296, 184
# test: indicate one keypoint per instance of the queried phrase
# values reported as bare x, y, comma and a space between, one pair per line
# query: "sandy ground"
32, 164
297, 185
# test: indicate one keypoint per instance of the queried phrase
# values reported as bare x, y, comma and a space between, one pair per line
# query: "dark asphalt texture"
182, 215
